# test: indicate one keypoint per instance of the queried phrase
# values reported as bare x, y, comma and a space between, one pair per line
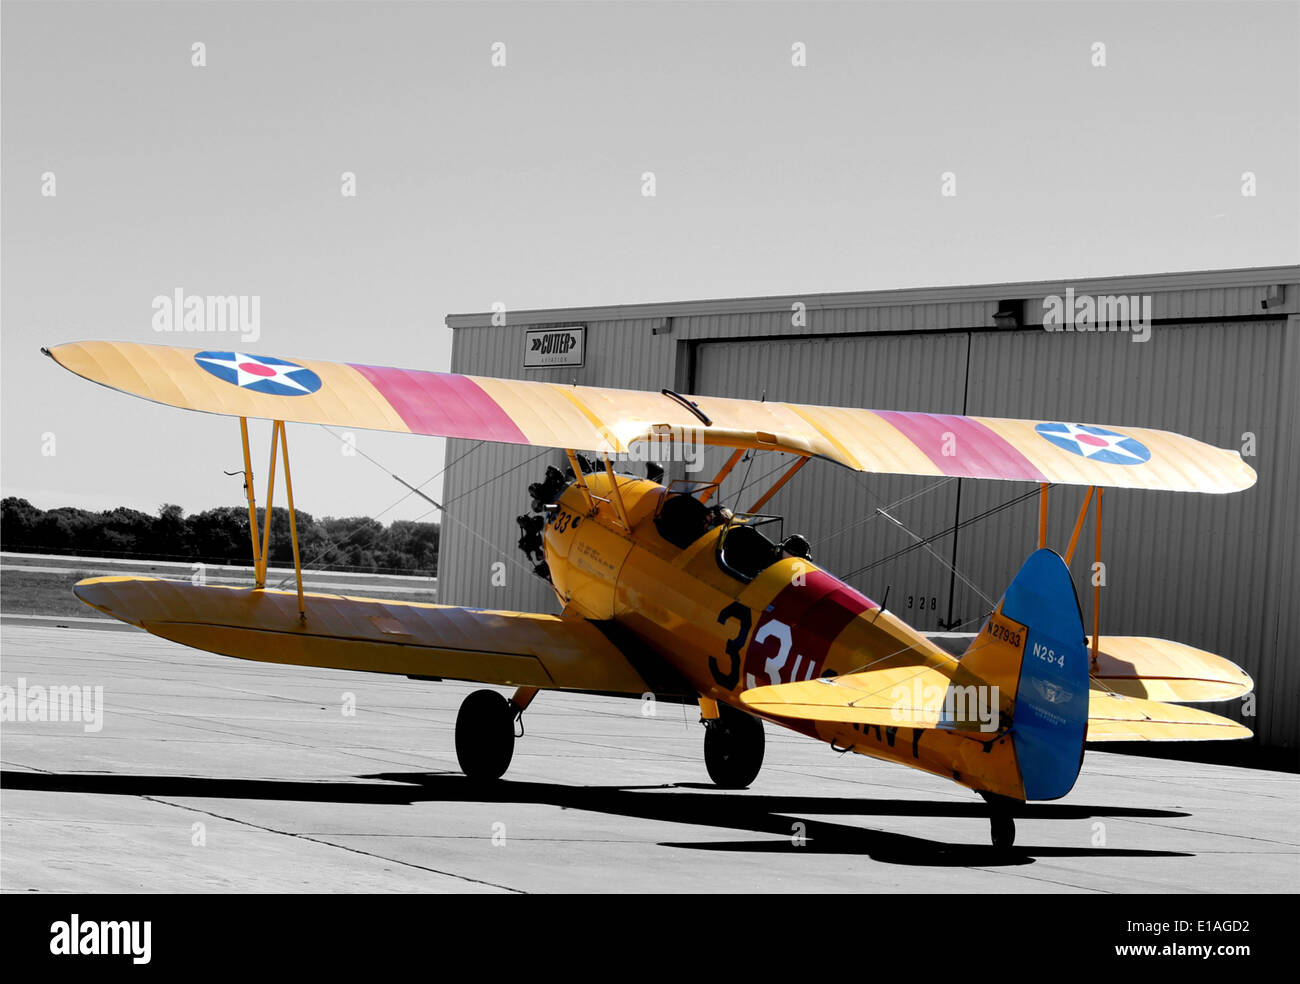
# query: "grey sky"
522, 184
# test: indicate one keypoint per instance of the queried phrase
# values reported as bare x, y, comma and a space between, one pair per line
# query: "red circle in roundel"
254, 369
1097, 442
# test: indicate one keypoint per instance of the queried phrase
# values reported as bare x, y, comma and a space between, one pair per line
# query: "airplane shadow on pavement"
682, 803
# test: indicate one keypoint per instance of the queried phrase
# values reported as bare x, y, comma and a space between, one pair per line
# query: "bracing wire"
413, 491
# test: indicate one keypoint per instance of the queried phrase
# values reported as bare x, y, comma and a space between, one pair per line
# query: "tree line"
221, 536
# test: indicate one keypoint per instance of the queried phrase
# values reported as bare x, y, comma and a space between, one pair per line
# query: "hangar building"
1217, 357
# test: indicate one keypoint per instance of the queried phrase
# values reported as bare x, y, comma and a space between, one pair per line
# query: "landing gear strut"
485, 734
733, 748
1002, 824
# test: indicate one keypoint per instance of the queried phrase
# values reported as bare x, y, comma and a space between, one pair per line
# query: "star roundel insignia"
260, 373
1096, 443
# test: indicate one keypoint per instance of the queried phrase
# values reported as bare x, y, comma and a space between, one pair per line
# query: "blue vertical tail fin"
1034, 647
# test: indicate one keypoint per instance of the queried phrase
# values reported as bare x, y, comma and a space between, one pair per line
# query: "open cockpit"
747, 543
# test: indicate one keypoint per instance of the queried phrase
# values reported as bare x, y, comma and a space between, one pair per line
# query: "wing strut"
252, 498
262, 549
617, 495
1042, 515
1078, 525
264, 560
1096, 584
293, 520
726, 470
790, 473
580, 478
1069, 553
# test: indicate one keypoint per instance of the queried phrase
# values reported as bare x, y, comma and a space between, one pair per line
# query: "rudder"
1033, 646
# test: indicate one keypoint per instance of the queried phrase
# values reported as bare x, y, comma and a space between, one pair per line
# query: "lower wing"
1112, 717
516, 649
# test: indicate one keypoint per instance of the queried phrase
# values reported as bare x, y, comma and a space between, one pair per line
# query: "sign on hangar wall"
548, 347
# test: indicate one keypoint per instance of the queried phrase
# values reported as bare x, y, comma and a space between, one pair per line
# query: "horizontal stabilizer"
893, 697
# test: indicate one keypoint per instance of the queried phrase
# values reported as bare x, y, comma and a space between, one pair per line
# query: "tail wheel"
1003, 832
485, 735
1002, 823
733, 748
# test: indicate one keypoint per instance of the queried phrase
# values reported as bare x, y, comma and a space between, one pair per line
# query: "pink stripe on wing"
978, 452
443, 403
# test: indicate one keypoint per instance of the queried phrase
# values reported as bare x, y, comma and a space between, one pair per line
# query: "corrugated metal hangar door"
834, 507
1177, 565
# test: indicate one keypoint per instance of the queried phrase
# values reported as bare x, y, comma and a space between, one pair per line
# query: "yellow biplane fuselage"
792, 622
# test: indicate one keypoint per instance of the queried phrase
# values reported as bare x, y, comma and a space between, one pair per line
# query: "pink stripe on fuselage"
978, 451
443, 403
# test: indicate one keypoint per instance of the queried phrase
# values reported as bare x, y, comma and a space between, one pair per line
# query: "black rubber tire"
485, 735
733, 749
1003, 829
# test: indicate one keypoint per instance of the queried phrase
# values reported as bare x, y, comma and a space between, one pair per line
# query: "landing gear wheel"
1002, 824
485, 735
1004, 831
733, 748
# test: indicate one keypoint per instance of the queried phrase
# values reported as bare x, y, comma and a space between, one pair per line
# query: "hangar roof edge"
956, 294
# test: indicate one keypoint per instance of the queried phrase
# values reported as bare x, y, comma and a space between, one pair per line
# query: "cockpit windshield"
683, 517
746, 547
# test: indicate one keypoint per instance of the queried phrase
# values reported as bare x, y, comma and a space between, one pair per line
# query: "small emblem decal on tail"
1052, 693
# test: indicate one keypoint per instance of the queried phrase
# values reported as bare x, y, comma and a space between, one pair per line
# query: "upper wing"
513, 649
609, 420
1158, 669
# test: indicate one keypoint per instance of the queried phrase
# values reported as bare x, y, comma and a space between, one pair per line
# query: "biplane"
663, 591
